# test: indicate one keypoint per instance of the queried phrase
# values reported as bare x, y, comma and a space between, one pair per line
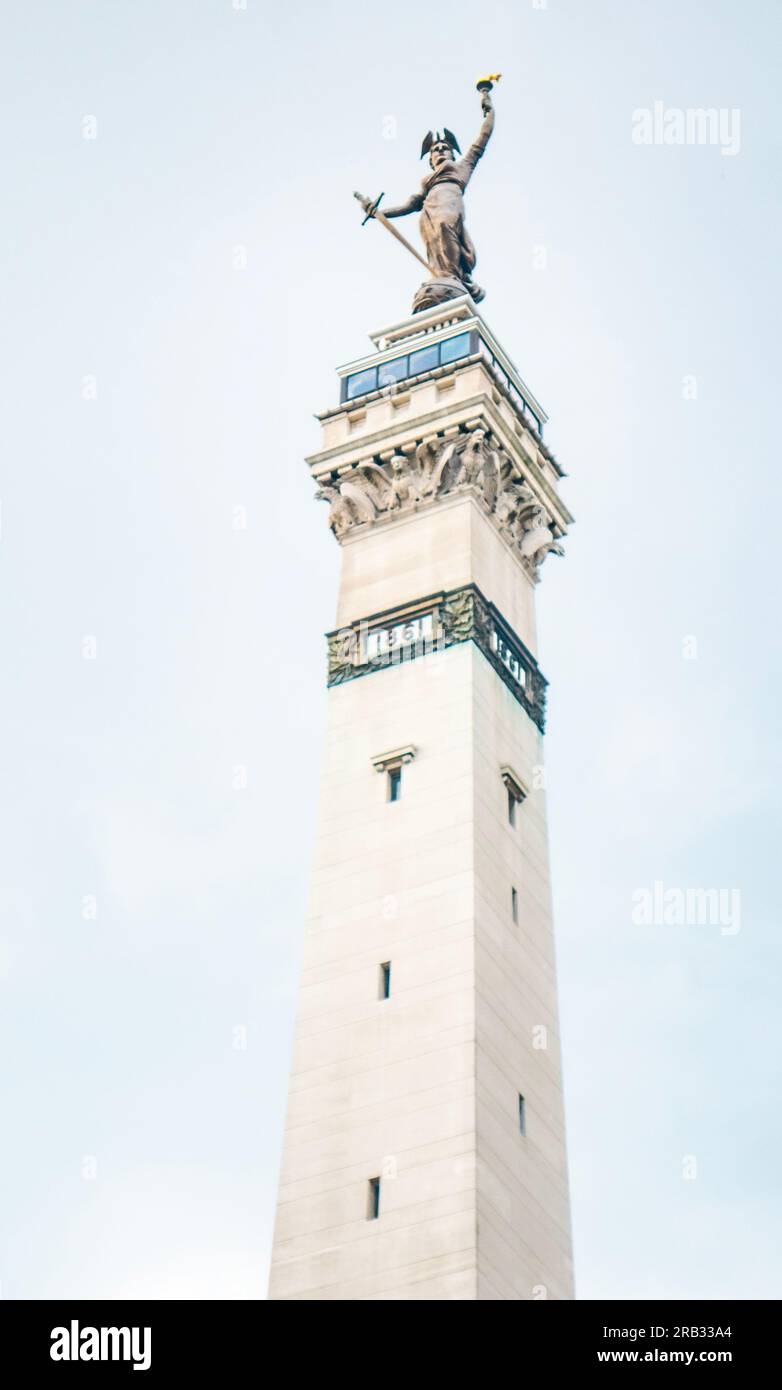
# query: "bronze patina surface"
450, 253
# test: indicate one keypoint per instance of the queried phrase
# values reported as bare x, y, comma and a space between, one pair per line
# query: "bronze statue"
450, 253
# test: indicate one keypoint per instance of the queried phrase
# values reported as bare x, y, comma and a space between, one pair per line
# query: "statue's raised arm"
450, 254
466, 166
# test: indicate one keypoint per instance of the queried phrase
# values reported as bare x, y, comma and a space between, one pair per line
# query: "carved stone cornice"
430, 625
445, 419
468, 458
396, 757
396, 393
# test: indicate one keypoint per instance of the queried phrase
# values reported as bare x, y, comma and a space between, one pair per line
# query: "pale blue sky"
219, 128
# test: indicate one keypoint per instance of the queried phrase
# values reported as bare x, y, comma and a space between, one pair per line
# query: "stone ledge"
433, 624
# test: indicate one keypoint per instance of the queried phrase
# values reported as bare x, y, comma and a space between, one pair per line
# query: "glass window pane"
392, 371
361, 382
424, 360
454, 348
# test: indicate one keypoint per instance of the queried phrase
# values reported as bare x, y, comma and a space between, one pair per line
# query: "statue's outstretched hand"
486, 103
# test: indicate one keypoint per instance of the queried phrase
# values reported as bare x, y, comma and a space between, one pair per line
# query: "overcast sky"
151, 649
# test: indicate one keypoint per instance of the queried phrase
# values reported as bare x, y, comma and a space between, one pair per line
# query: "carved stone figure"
458, 615
489, 480
404, 486
471, 459
515, 496
341, 517
538, 540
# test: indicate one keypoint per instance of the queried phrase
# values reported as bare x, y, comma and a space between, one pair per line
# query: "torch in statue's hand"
484, 86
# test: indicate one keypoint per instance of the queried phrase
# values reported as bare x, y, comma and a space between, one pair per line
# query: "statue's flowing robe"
449, 247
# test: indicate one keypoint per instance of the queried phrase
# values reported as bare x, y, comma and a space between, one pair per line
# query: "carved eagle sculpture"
341, 514
470, 460
537, 540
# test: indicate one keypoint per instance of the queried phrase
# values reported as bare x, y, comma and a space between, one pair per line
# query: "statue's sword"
366, 204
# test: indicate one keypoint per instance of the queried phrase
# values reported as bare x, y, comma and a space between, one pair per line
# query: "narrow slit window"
515, 791
514, 905
385, 980
522, 1116
394, 783
373, 1205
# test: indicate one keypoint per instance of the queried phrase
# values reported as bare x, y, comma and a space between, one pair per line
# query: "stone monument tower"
424, 1152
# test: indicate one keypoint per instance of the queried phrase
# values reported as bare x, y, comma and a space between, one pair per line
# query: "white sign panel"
387, 640
509, 659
